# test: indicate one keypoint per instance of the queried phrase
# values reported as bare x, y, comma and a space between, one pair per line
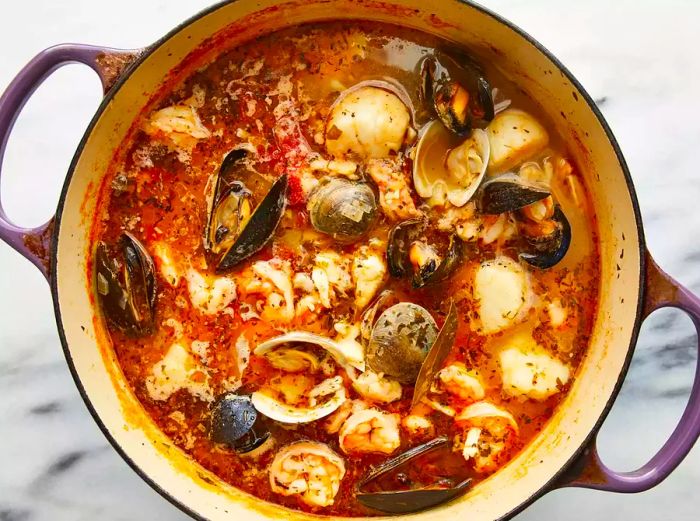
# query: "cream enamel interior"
188, 483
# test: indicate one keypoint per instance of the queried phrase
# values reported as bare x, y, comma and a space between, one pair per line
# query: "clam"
343, 209
341, 352
235, 230
282, 412
400, 341
457, 90
386, 299
399, 493
232, 422
445, 169
408, 254
126, 285
508, 193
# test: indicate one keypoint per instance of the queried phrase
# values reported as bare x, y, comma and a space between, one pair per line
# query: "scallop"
368, 121
502, 291
515, 136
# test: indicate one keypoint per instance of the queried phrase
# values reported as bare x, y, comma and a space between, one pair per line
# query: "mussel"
545, 229
401, 493
508, 193
126, 285
343, 209
457, 90
232, 422
400, 341
548, 243
436, 356
235, 230
407, 254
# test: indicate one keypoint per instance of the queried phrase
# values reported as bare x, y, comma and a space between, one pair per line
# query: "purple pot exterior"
659, 290
33, 242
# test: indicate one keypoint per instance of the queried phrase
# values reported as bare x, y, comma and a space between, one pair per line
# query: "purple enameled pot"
631, 285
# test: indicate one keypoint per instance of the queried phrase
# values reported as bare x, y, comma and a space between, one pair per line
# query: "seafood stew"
348, 268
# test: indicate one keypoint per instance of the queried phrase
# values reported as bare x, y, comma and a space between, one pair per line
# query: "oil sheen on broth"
285, 237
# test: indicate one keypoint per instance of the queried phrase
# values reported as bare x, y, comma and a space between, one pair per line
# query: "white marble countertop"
639, 59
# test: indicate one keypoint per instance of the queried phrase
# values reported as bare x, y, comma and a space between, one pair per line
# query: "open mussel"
407, 253
545, 230
457, 90
235, 230
400, 340
508, 193
402, 493
232, 423
546, 241
126, 285
343, 209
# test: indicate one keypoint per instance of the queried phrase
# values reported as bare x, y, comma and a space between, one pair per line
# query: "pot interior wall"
95, 366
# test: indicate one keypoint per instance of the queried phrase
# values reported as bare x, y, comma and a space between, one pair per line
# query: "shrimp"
456, 379
376, 387
370, 430
308, 469
488, 432
417, 423
368, 122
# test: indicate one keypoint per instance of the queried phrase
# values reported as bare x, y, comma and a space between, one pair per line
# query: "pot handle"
34, 243
589, 471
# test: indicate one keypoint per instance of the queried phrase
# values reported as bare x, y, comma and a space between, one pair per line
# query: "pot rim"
125, 75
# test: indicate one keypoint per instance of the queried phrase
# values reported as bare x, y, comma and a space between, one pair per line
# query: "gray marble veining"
637, 59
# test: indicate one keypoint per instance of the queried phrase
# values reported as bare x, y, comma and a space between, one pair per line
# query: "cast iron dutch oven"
632, 285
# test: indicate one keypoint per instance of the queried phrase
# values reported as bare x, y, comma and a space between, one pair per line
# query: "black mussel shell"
436, 356
401, 237
126, 285
227, 216
457, 90
399, 243
507, 193
406, 501
232, 162
545, 252
232, 420
259, 228
433, 272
